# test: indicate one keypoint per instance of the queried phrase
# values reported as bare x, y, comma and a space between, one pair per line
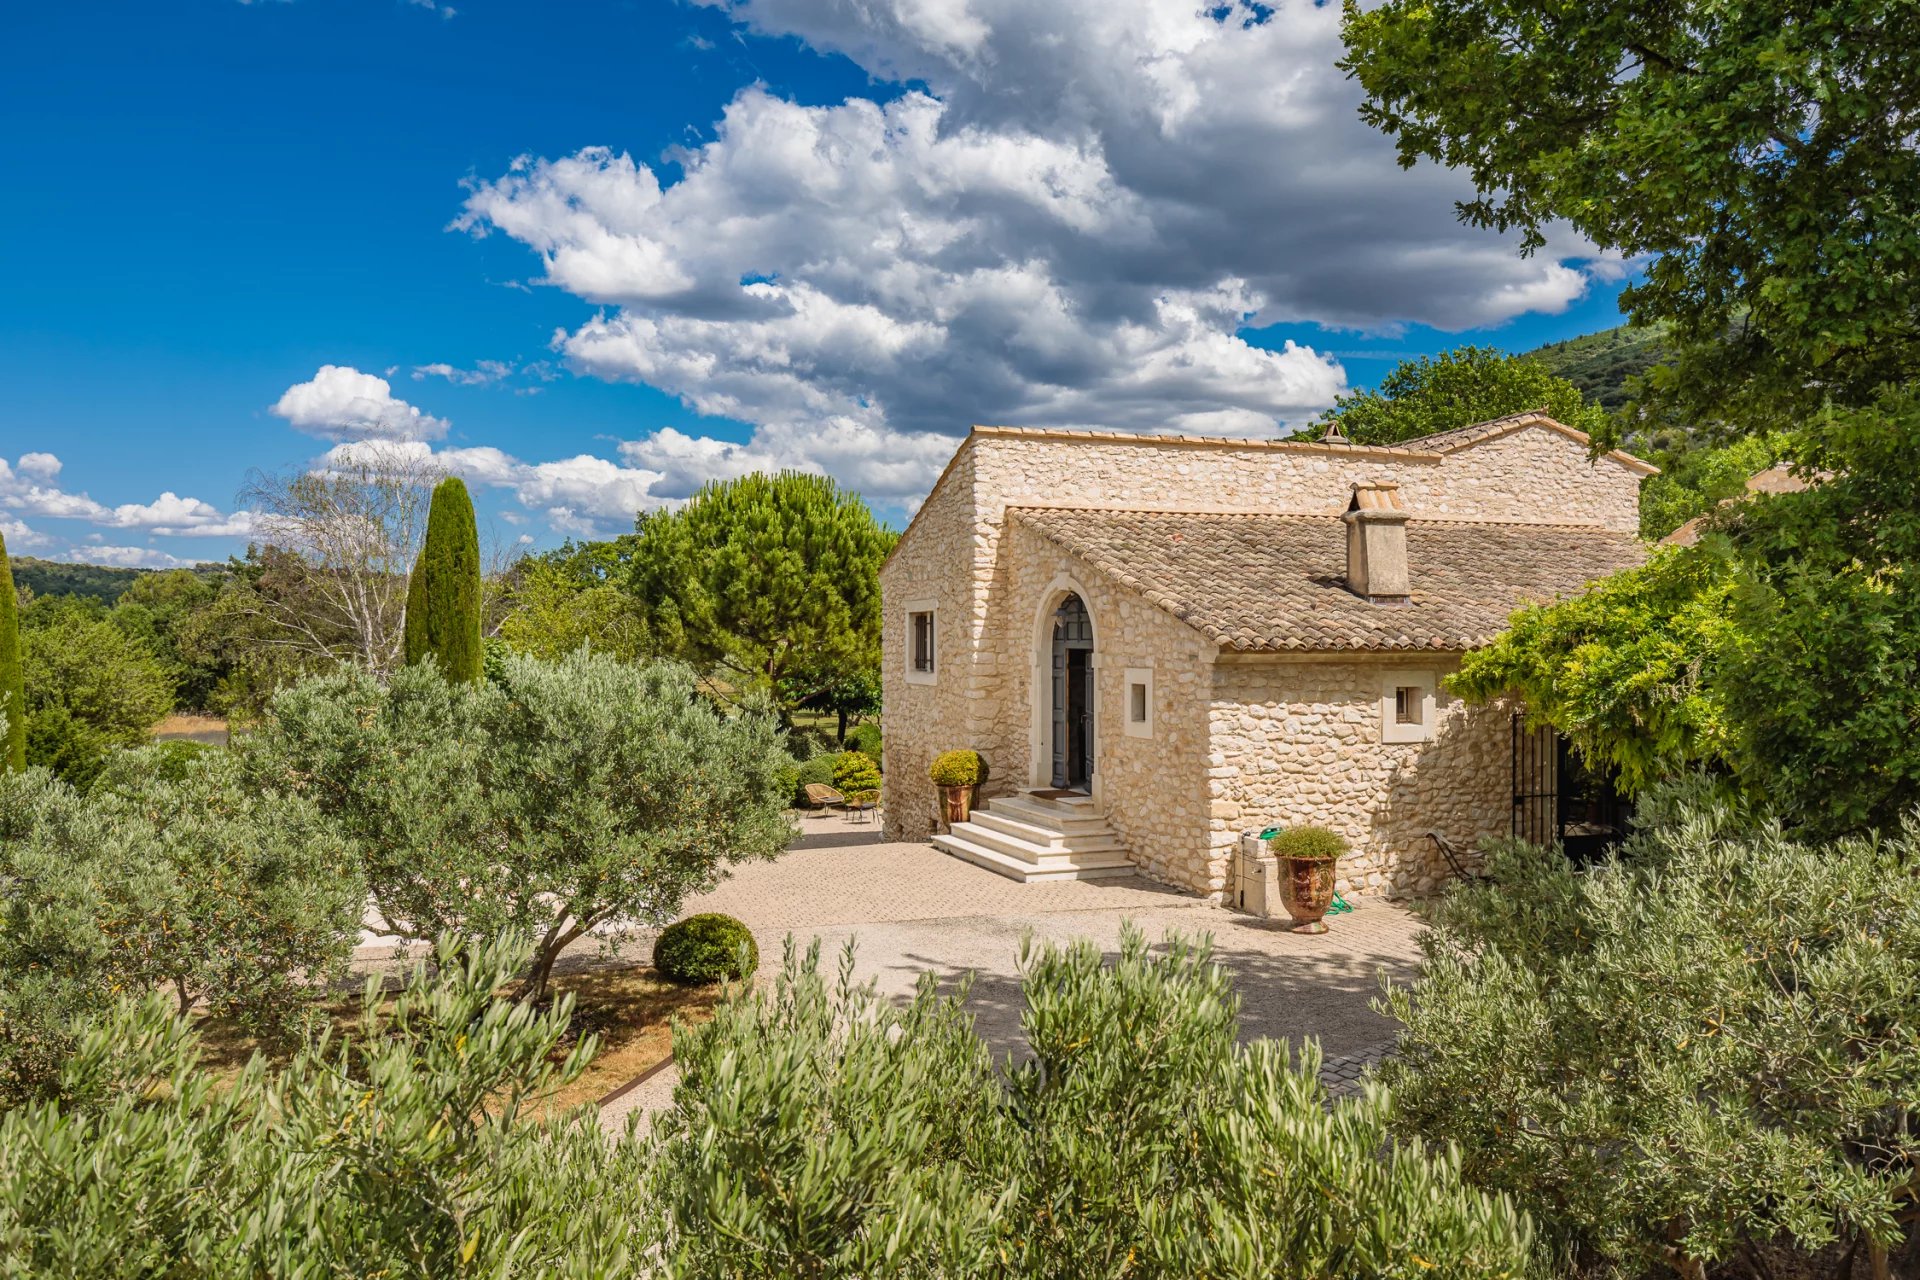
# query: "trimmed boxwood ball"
958, 769
855, 771
1315, 843
703, 949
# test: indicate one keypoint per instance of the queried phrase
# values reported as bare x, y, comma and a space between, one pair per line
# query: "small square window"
1137, 722
1409, 707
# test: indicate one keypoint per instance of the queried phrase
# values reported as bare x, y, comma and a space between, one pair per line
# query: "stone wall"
951, 555
1298, 741
1153, 790
1537, 475
1531, 474
921, 720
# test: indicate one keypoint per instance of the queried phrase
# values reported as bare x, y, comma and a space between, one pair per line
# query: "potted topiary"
957, 773
1307, 857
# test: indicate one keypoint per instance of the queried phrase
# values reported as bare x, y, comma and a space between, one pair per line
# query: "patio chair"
822, 796
862, 803
1455, 862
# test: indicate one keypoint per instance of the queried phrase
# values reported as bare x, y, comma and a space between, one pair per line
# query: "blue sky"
766, 233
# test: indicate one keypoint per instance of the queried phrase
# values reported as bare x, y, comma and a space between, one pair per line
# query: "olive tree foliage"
345, 535
1457, 389
1762, 153
165, 875
415, 1145
554, 799
820, 1130
1682, 1056
768, 583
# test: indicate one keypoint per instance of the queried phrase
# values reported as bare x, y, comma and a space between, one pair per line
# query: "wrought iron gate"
1557, 799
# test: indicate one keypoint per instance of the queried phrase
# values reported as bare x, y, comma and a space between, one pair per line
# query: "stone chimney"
1377, 543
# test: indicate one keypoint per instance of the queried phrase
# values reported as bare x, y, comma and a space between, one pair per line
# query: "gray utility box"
1254, 886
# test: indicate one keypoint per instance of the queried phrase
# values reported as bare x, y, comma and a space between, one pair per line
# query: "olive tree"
557, 799
1681, 1058
418, 1145
162, 877
821, 1130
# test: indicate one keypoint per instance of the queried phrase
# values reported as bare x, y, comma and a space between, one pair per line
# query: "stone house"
1162, 642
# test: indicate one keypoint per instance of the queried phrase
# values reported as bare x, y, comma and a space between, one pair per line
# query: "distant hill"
57, 578
1601, 363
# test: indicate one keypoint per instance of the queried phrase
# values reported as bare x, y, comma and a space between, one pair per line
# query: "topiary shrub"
855, 771
705, 948
865, 739
1313, 843
958, 769
820, 770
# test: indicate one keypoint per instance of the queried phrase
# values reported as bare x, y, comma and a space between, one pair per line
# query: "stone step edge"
1047, 837
1030, 851
1048, 819
1057, 867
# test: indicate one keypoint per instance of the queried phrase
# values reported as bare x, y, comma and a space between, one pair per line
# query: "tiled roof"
1276, 583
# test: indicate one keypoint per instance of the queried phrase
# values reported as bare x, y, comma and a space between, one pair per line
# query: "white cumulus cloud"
341, 403
26, 485
126, 557
1069, 224
583, 495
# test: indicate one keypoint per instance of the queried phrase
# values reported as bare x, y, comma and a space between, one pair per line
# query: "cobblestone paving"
910, 908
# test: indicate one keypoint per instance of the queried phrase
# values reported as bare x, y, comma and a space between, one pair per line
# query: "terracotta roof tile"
1276, 583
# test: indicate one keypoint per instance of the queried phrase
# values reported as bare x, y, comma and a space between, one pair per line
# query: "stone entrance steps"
1030, 837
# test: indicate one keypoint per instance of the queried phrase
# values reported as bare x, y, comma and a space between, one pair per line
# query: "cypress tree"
13, 680
443, 597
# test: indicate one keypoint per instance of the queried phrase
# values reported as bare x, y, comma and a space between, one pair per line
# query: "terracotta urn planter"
1308, 857
956, 804
1306, 887
957, 773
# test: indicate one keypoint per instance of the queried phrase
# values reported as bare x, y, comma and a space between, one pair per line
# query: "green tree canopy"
1763, 153
13, 687
584, 794
769, 582
1784, 647
444, 591
572, 596
157, 609
94, 687
1456, 389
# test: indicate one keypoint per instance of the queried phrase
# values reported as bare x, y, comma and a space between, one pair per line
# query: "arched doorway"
1071, 733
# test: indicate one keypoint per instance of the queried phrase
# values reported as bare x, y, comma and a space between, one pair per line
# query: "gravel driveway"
912, 908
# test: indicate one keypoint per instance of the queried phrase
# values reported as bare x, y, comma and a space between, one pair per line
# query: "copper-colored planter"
956, 804
1306, 887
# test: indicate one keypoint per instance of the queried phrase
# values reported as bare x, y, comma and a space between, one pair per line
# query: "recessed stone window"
922, 657
1138, 721
1409, 706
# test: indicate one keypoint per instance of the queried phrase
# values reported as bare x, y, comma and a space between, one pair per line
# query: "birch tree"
338, 544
